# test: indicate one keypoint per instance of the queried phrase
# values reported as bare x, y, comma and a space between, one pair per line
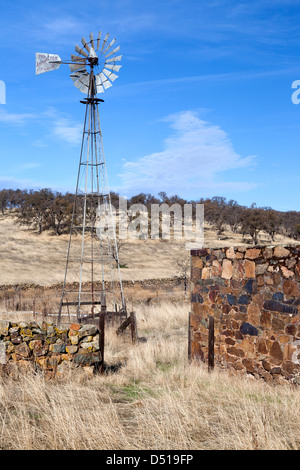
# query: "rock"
290, 288
87, 359
87, 330
231, 299
243, 299
248, 365
230, 253
14, 331
4, 327
248, 329
71, 349
261, 268
276, 353
90, 346
51, 331
23, 350
197, 262
249, 267
277, 324
252, 253
276, 306
236, 352
58, 348
74, 340
286, 272
281, 252
251, 286
17, 340
205, 274
2, 353
268, 253
226, 269
197, 298
39, 348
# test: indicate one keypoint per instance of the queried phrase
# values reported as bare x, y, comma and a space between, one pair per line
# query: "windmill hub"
93, 58
93, 61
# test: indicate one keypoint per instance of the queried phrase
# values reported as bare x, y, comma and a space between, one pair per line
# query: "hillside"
26, 257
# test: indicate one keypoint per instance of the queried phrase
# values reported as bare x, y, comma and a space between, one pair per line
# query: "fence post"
102, 329
211, 343
189, 338
133, 324
33, 309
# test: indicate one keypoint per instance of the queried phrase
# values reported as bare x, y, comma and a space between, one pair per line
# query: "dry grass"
26, 257
156, 400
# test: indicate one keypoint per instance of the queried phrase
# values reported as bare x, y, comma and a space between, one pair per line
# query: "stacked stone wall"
47, 346
253, 295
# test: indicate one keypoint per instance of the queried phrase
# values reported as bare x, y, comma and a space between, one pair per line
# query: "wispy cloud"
59, 126
15, 119
67, 131
194, 157
16, 183
29, 166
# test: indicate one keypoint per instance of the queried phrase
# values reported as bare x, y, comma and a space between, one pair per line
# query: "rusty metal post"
102, 329
211, 343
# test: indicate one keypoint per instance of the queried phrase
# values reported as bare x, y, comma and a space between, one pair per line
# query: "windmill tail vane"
92, 275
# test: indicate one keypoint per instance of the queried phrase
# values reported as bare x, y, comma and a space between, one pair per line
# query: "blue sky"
202, 106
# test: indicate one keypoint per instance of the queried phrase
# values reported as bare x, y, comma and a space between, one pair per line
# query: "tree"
4, 200
253, 222
215, 213
34, 209
58, 215
273, 220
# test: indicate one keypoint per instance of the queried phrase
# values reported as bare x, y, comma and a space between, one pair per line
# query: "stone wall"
253, 295
47, 346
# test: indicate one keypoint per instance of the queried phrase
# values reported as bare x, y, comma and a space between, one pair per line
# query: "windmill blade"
83, 82
84, 78
100, 89
110, 44
83, 88
104, 42
105, 82
77, 67
110, 75
115, 68
84, 43
77, 58
98, 40
79, 73
113, 52
46, 62
115, 59
76, 75
81, 51
99, 86
92, 40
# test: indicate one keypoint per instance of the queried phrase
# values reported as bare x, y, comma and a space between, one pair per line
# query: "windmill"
92, 275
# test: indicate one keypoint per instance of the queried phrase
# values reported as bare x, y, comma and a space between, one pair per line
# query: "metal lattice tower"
92, 276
